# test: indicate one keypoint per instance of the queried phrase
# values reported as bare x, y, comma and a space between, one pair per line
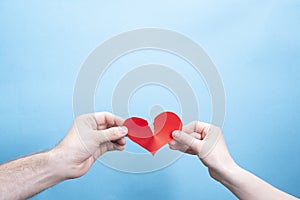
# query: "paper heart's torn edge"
164, 124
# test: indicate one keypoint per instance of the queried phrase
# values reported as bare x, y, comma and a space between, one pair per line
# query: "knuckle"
106, 113
87, 120
194, 123
78, 119
81, 117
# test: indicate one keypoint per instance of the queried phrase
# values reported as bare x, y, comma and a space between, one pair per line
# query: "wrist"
56, 162
225, 172
65, 164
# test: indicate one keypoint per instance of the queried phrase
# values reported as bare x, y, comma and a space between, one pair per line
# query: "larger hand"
90, 136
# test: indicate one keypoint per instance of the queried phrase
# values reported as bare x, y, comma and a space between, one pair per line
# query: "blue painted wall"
255, 46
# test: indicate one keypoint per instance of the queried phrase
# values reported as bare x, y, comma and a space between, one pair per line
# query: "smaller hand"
207, 142
90, 136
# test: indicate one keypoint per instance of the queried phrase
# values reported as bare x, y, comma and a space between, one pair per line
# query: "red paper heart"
164, 124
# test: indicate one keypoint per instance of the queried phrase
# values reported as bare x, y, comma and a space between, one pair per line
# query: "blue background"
254, 44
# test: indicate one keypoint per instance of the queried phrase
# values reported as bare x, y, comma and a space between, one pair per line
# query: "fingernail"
124, 129
175, 134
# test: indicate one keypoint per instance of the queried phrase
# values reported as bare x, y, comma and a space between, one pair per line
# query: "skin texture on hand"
90, 136
193, 140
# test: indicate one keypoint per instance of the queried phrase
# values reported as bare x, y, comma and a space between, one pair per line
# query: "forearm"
27, 176
247, 186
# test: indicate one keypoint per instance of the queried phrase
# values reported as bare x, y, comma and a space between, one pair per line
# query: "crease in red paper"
164, 124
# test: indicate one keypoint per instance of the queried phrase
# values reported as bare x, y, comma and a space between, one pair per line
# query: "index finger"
108, 119
196, 126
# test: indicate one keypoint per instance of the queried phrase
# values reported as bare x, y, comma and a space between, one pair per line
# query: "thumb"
188, 140
113, 133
